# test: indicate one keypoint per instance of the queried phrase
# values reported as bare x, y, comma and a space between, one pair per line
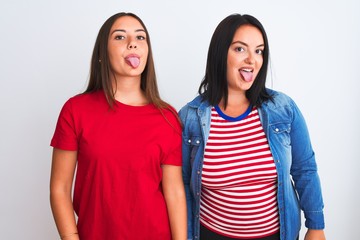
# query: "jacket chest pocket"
281, 131
193, 142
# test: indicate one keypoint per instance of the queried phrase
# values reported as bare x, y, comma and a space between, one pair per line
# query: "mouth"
132, 60
247, 74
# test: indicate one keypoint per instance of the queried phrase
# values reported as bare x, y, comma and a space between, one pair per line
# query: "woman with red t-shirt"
124, 143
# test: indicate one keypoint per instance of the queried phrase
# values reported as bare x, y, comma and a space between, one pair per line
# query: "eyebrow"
261, 45
123, 30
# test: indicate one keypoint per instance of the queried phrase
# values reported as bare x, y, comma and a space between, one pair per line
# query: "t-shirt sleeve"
174, 155
65, 137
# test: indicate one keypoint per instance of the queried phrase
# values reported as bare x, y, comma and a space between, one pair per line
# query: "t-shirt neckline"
233, 119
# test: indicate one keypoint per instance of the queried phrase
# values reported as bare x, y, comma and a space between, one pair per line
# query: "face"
244, 58
127, 47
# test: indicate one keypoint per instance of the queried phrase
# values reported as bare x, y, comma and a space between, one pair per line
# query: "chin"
246, 85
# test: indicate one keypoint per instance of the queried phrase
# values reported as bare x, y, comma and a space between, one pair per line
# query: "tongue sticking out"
247, 76
134, 62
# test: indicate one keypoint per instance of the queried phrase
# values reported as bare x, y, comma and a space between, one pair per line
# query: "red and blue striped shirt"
239, 179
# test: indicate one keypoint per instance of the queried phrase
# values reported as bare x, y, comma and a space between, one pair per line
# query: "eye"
119, 37
239, 49
140, 37
259, 51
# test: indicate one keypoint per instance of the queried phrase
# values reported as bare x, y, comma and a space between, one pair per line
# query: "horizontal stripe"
236, 163
245, 138
239, 179
235, 205
241, 211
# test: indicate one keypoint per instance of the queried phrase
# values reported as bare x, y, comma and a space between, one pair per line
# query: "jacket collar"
199, 102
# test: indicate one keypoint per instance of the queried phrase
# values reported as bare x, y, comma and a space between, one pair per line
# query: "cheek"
232, 67
259, 63
112, 60
115, 61
144, 53
233, 60
114, 54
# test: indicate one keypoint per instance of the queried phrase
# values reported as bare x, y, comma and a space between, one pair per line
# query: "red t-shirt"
117, 193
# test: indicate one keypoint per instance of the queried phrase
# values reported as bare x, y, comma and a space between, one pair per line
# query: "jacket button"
198, 172
276, 129
189, 141
197, 141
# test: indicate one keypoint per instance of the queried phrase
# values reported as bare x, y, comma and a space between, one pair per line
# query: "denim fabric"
288, 137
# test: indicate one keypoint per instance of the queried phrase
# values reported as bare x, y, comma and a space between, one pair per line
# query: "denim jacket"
288, 137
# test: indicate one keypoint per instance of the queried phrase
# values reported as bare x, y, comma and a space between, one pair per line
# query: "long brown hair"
100, 69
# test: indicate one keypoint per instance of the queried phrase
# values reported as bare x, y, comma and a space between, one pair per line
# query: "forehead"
127, 23
248, 34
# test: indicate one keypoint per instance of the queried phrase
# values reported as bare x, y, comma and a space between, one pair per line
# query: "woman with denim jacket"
248, 164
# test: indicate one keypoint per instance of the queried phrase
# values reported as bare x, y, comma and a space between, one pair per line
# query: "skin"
174, 193
245, 51
313, 234
62, 175
127, 36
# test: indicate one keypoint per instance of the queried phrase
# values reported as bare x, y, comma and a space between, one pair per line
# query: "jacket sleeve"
186, 172
304, 172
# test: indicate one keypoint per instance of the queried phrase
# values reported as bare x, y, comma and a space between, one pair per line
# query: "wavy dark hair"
100, 69
214, 85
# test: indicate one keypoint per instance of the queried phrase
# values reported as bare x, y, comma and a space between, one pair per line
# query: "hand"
313, 234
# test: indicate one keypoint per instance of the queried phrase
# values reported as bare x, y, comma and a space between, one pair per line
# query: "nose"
250, 59
132, 45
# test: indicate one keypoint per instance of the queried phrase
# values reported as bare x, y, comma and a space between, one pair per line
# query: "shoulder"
85, 100
171, 117
192, 106
281, 107
279, 100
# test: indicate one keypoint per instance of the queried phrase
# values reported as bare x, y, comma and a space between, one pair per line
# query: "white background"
45, 50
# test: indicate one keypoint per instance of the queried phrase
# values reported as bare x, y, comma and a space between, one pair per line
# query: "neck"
237, 104
127, 90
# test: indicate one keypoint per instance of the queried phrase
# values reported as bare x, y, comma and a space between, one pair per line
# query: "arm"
174, 194
304, 173
186, 173
313, 234
62, 174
